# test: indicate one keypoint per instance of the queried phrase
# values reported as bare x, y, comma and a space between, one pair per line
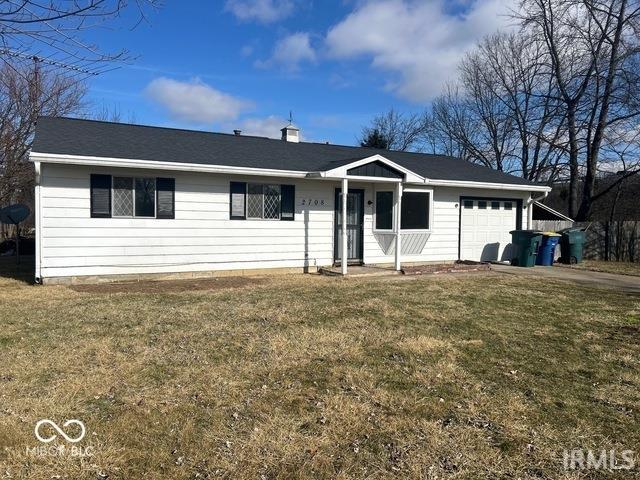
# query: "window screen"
122, 197
145, 197
254, 200
415, 211
271, 209
384, 210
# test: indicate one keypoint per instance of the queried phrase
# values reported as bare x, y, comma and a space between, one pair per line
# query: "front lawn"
622, 268
470, 376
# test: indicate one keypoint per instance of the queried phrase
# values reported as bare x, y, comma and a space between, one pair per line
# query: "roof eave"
333, 174
489, 185
157, 165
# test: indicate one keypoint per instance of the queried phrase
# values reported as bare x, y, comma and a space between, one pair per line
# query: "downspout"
530, 208
38, 221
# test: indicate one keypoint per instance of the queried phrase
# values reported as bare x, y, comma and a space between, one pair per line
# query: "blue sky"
220, 65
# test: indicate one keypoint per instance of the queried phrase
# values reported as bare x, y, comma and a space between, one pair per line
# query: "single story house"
118, 199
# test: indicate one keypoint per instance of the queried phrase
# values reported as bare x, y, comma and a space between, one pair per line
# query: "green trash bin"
571, 245
525, 243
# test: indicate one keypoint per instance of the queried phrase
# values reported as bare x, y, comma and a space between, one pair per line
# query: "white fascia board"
489, 186
341, 172
155, 165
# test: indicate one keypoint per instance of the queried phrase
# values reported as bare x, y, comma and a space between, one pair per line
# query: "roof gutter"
492, 186
155, 165
537, 199
115, 162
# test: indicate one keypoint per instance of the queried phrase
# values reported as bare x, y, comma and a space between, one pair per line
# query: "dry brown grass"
622, 268
477, 376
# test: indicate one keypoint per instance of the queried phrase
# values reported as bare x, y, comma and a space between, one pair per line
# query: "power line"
47, 61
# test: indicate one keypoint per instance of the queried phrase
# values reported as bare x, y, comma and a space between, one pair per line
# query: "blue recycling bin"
547, 248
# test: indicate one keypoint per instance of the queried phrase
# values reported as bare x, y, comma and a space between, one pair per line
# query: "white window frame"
262, 218
394, 210
133, 194
430, 203
375, 209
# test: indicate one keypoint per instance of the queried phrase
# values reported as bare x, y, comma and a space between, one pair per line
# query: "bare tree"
26, 94
513, 63
502, 113
400, 131
475, 117
590, 45
51, 30
111, 113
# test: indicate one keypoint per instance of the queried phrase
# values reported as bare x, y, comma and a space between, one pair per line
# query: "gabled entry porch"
350, 223
350, 205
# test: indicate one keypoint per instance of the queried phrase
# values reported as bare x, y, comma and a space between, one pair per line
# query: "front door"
355, 226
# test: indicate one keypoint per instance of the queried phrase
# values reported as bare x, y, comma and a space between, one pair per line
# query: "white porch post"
345, 192
398, 223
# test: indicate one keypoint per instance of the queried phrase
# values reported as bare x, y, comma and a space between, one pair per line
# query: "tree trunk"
588, 190
573, 160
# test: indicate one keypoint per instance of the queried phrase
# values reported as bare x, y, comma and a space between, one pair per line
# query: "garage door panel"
484, 233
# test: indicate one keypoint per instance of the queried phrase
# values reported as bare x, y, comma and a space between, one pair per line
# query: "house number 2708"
311, 201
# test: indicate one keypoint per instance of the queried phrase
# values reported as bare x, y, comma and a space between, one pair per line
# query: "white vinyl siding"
441, 243
202, 237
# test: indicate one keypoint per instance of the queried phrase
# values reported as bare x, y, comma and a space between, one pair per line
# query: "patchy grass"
473, 376
622, 268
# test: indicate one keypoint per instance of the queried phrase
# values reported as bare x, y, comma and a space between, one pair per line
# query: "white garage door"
484, 230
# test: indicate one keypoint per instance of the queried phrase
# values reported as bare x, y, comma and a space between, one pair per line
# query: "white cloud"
263, 11
418, 41
291, 51
195, 101
260, 127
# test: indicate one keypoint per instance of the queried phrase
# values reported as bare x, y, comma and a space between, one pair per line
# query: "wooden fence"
617, 240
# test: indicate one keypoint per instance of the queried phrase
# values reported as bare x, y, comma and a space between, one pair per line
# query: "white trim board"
334, 174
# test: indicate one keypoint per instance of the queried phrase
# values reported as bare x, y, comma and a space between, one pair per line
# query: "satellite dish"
14, 214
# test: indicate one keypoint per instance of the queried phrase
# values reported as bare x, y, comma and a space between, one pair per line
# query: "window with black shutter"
132, 197
165, 197
237, 200
100, 196
287, 202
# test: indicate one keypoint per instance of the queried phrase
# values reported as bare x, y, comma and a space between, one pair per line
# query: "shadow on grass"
23, 272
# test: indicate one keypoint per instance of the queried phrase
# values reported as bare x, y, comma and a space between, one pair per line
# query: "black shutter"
165, 197
100, 196
287, 202
238, 201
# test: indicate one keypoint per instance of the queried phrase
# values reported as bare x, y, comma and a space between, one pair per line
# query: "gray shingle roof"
70, 136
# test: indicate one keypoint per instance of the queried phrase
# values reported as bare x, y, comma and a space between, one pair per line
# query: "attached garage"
485, 224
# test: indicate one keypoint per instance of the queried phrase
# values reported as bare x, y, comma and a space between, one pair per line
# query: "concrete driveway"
624, 283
